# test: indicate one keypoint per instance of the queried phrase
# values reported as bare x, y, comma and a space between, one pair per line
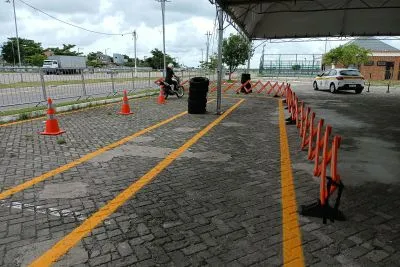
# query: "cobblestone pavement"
219, 204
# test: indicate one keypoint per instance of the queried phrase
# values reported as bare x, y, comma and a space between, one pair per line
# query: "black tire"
180, 92
315, 86
197, 102
359, 90
245, 77
197, 95
332, 88
196, 110
198, 84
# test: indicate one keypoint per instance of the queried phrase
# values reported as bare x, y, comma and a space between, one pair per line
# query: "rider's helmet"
170, 65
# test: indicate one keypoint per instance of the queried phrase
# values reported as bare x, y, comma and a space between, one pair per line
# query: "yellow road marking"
85, 158
292, 246
70, 240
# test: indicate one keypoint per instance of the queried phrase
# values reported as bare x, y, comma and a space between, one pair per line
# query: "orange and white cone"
125, 109
161, 97
51, 122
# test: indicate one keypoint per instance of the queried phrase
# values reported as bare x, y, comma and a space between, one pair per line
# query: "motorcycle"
169, 89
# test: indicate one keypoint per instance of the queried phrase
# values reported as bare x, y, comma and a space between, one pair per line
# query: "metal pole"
133, 80
112, 83
135, 38
219, 71
163, 23
208, 44
43, 86
83, 83
16, 34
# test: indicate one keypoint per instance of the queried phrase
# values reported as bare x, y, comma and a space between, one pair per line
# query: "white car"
340, 79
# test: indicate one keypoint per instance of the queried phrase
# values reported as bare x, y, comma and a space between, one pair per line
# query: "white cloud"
187, 21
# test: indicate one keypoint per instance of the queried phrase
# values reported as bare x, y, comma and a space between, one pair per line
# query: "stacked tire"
198, 89
245, 77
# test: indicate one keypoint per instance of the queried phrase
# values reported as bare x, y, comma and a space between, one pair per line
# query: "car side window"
325, 73
332, 73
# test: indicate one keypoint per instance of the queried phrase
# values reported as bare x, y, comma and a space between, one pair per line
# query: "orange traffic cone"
51, 122
161, 97
125, 109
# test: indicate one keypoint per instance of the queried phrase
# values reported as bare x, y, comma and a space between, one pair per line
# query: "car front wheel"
315, 85
332, 88
359, 90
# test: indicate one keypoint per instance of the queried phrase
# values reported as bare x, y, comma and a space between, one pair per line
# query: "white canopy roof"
273, 19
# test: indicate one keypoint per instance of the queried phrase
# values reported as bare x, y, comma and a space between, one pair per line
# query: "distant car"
339, 79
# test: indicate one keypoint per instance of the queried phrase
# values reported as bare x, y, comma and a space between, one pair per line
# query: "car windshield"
350, 73
47, 62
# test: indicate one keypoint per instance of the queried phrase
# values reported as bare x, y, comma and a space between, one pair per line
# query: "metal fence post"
133, 80
83, 84
43, 86
149, 78
112, 83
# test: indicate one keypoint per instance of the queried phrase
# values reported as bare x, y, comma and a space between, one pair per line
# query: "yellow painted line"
70, 240
292, 246
85, 158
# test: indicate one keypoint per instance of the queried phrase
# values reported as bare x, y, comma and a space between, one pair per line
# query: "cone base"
50, 133
124, 113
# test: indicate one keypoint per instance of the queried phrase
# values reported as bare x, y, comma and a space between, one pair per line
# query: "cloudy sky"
187, 21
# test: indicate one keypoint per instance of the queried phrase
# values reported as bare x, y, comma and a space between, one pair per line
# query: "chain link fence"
32, 87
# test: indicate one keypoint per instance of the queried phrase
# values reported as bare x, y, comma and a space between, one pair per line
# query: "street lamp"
163, 23
16, 31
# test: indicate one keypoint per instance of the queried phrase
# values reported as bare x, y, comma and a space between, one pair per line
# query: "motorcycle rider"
170, 75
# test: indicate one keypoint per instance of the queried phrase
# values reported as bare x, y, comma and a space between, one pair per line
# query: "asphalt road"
369, 124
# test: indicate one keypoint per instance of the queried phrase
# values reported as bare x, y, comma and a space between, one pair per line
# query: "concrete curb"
35, 114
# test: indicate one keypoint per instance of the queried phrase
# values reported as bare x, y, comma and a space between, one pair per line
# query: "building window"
381, 63
369, 63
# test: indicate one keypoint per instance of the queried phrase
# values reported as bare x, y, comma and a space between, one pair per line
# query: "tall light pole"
16, 32
163, 25
134, 42
208, 34
220, 14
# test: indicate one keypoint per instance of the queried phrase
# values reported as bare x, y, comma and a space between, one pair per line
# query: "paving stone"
377, 255
100, 260
194, 248
124, 249
142, 253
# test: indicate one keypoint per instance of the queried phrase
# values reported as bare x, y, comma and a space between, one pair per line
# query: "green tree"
235, 51
156, 61
36, 60
296, 67
65, 50
212, 63
27, 48
348, 54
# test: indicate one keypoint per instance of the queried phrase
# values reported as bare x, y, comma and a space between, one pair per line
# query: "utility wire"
70, 24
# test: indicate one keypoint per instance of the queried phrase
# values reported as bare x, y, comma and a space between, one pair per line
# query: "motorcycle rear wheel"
180, 92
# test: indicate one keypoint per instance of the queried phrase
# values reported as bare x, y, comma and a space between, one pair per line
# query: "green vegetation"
61, 141
348, 54
236, 49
